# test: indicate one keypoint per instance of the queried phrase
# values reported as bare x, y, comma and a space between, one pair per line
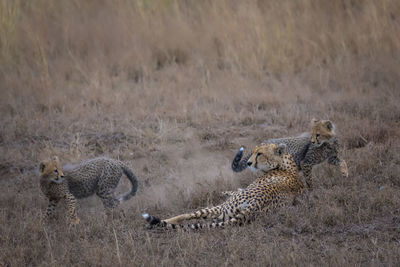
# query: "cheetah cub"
308, 150
99, 175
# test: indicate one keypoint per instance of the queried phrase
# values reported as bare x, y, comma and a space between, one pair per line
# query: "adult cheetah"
277, 186
307, 150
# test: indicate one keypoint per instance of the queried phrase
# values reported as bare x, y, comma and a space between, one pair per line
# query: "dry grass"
173, 88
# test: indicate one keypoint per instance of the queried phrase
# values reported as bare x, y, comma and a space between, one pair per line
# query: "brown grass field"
173, 88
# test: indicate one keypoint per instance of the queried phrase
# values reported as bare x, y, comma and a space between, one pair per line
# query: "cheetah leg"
239, 218
108, 181
71, 202
51, 207
341, 164
203, 213
307, 173
245, 214
236, 219
108, 199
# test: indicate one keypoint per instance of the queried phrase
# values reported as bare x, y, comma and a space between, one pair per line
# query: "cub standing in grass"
99, 175
307, 150
280, 184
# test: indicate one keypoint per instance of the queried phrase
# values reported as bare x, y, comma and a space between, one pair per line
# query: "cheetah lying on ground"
99, 175
279, 184
307, 150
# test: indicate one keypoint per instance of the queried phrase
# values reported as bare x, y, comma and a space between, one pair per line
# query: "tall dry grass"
173, 88
80, 41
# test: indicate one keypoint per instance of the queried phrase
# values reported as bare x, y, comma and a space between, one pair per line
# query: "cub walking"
99, 175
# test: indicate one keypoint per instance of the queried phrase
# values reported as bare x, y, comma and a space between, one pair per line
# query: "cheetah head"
52, 169
267, 157
321, 130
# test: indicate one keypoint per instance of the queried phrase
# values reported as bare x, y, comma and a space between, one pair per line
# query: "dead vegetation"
173, 88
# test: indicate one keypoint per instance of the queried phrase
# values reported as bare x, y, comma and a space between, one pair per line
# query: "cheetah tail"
154, 221
134, 182
239, 163
151, 219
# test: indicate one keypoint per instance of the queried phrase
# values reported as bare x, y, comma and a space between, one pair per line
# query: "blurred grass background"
75, 39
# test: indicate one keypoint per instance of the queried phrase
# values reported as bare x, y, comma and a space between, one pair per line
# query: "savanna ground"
173, 88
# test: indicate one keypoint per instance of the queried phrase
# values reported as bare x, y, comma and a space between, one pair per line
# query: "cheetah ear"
314, 121
55, 158
42, 166
281, 149
329, 125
